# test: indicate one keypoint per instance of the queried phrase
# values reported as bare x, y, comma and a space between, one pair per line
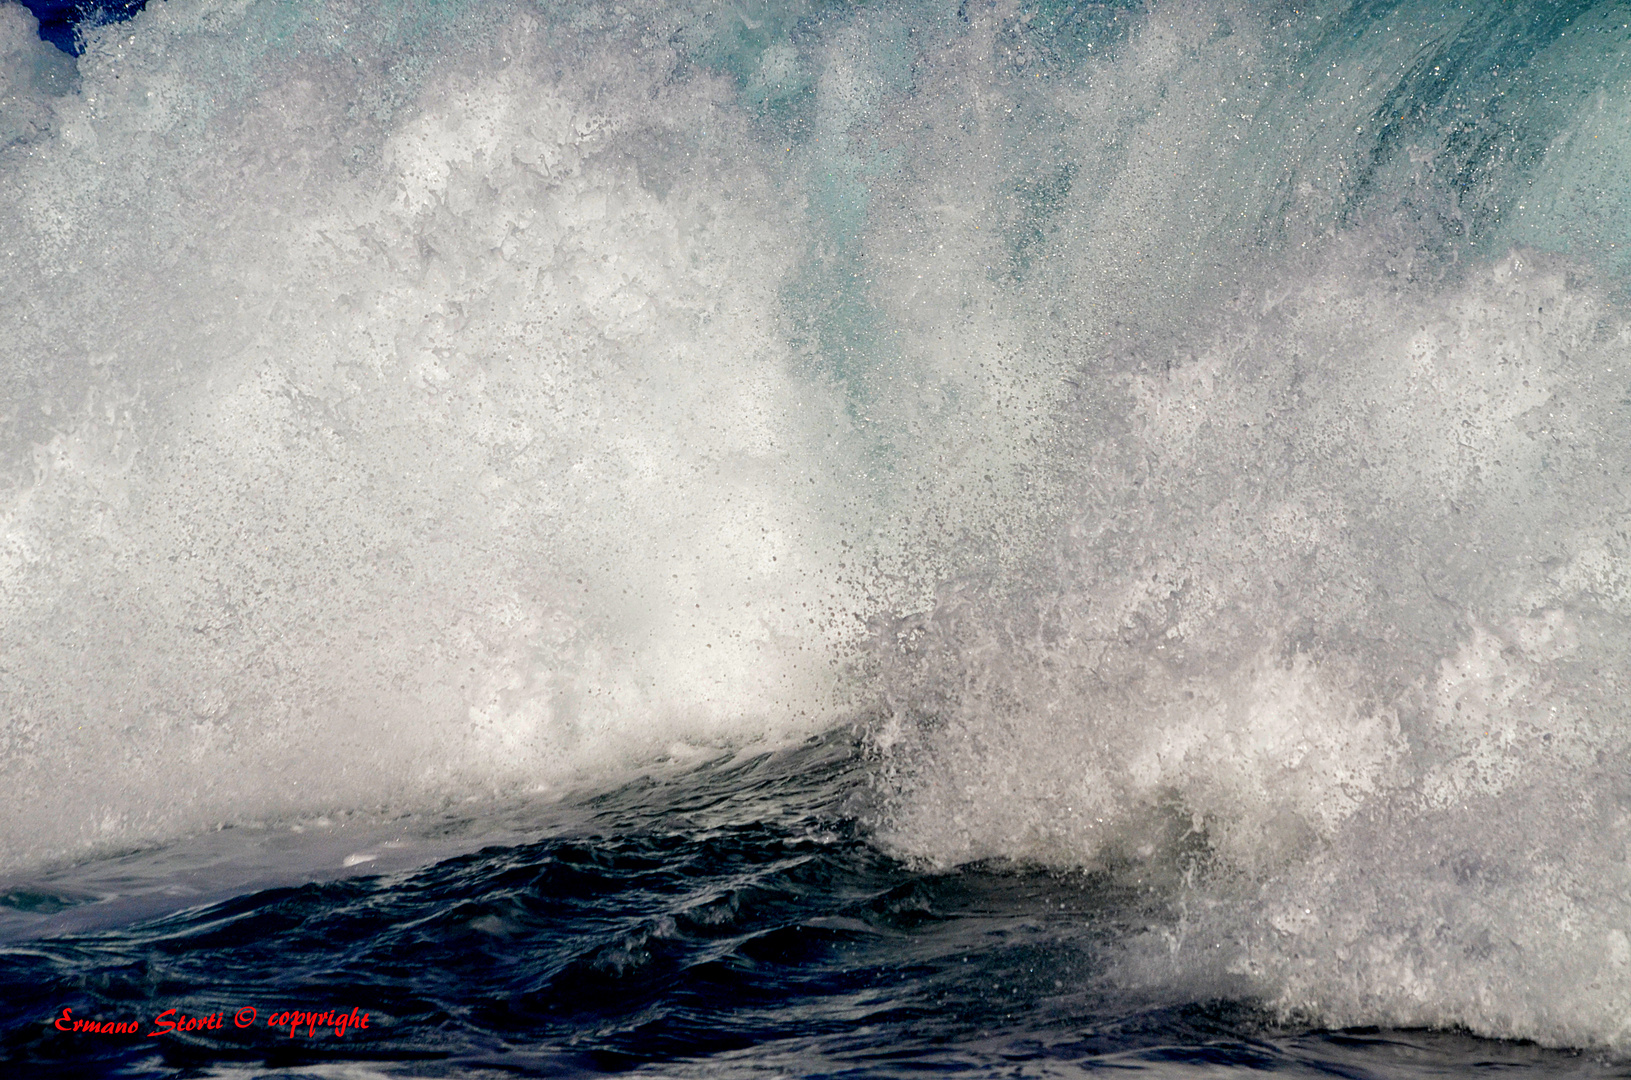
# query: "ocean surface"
815, 538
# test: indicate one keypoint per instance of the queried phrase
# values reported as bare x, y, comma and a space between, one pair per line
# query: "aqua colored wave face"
1187, 439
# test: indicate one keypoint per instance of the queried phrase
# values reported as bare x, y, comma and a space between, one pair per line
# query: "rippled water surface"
723, 922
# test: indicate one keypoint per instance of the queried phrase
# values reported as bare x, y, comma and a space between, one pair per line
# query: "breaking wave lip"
1193, 432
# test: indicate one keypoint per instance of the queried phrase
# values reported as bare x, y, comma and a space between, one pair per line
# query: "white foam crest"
32, 74
451, 453
1506, 915
1338, 613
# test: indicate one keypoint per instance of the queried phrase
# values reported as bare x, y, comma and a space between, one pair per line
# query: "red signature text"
66, 1022
169, 1020
173, 1021
294, 1021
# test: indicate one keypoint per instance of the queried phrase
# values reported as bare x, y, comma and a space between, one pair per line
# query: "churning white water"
1192, 438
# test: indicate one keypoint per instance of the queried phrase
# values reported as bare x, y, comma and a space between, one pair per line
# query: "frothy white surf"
1146, 414
409, 404
1340, 649
388, 436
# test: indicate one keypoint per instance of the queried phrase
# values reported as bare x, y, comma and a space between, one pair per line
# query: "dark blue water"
731, 921
60, 20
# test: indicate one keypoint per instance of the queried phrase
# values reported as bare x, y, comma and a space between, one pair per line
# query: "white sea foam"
389, 440
1341, 654
404, 411
1332, 635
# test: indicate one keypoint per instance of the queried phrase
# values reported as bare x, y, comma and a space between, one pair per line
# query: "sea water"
814, 538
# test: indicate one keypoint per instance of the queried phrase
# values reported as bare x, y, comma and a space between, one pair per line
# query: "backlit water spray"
1187, 441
